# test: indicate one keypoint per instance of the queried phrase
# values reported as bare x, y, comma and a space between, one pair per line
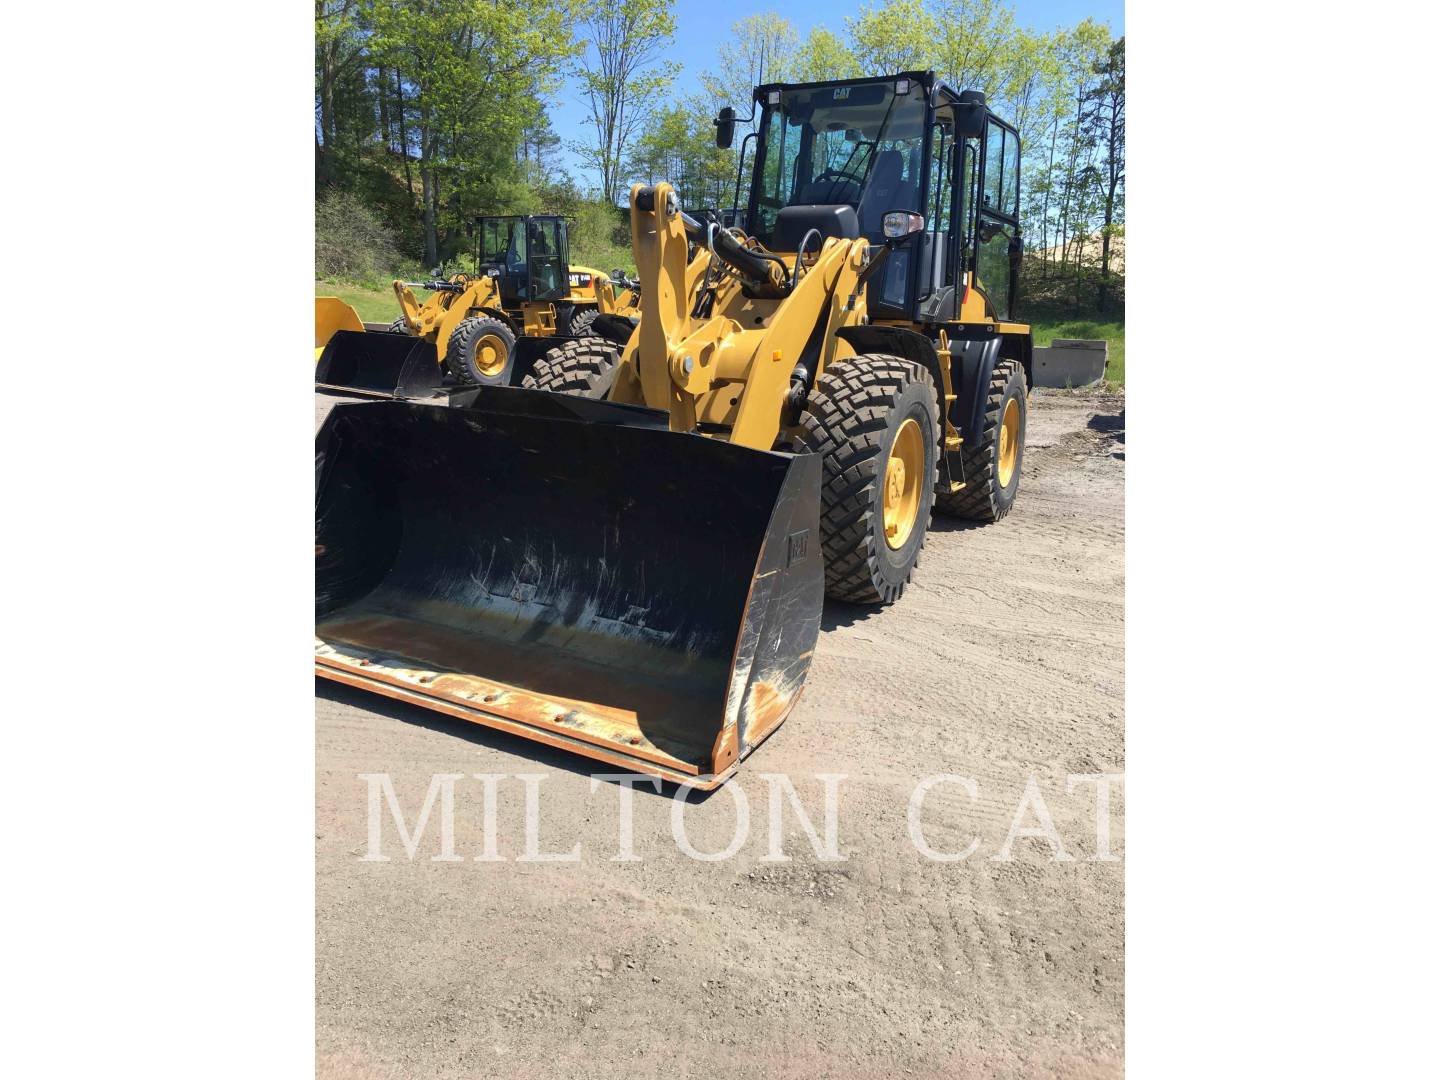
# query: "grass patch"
374, 305
379, 305
1047, 330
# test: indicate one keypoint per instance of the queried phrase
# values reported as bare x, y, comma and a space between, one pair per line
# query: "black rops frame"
964, 238
563, 233
758, 101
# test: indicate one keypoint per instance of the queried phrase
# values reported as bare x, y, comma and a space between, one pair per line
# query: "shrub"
600, 237
352, 243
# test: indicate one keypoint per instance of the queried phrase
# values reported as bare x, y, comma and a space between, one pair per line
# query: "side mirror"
970, 115
725, 128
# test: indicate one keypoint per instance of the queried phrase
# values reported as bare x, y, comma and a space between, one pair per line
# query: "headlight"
900, 223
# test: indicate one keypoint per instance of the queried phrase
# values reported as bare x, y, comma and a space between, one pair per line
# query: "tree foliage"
428, 112
623, 76
446, 86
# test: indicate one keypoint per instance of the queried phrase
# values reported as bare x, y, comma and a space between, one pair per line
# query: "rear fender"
972, 362
906, 344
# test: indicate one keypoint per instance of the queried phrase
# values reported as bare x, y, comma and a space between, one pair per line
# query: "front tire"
399, 326
585, 368
875, 421
481, 352
992, 466
581, 322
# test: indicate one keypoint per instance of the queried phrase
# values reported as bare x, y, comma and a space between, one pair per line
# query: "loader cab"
527, 255
835, 157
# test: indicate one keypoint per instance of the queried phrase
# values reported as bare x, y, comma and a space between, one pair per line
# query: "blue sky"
703, 24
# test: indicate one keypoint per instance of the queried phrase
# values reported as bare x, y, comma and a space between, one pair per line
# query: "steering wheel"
836, 176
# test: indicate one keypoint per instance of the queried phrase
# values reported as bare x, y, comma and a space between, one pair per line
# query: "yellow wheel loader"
634, 567
486, 328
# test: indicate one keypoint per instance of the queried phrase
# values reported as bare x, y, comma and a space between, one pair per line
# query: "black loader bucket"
378, 365
570, 571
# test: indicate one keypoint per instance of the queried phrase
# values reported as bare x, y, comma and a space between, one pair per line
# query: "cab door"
997, 227
549, 264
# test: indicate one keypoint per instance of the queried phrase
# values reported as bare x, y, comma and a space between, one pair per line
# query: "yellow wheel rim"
1009, 441
903, 472
491, 355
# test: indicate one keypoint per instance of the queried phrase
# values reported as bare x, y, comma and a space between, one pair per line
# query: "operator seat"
887, 190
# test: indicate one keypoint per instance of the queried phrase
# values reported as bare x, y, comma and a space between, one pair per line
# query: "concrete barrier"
1071, 362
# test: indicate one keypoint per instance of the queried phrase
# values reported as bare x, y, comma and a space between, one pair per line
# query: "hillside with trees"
429, 112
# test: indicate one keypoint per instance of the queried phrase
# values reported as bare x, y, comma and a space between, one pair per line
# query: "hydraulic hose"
435, 286
754, 266
762, 271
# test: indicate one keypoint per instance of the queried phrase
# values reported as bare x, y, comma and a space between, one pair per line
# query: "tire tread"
845, 421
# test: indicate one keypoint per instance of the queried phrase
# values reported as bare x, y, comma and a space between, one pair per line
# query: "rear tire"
481, 352
865, 413
399, 326
581, 322
992, 465
585, 368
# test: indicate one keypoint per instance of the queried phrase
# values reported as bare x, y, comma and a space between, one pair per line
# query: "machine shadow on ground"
837, 613
1113, 425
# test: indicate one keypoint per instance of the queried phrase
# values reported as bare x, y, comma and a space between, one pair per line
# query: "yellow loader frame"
437, 316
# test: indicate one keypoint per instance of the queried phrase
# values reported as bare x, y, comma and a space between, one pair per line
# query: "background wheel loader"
485, 328
634, 567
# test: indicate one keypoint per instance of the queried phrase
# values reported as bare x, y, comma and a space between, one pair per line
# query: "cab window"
994, 167
992, 263
503, 241
1010, 179
546, 260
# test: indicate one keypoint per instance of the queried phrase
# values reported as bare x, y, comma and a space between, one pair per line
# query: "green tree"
898, 36
761, 49
470, 74
1106, 120
975, 44
622, 75
339, 50
678, 146
824, 56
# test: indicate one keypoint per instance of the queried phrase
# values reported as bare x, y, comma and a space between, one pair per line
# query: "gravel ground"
1003, 662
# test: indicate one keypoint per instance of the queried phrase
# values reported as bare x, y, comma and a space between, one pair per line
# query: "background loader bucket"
570, 571
378, 365
332, 314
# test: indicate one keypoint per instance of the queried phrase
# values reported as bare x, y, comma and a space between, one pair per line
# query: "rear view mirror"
970, 115
725, 128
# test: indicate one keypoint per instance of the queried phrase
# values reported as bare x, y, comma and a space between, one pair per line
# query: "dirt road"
1004, 661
